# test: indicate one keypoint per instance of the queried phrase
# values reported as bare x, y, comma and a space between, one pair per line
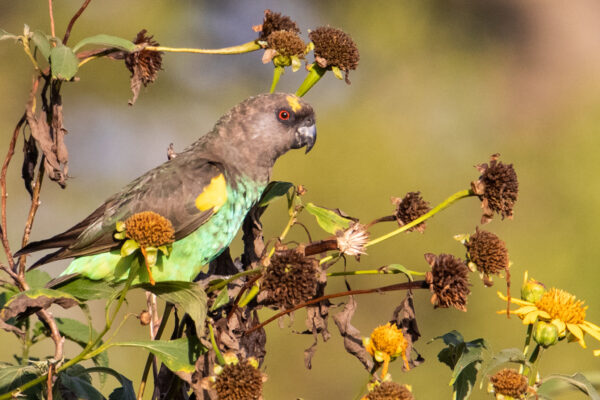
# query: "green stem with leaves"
86, 351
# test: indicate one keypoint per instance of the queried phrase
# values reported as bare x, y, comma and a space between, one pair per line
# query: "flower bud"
545, 334
532, 291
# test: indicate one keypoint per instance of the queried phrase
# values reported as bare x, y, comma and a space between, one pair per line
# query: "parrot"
205, 192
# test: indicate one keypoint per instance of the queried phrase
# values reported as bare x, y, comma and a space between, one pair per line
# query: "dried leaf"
30, 158
405, 318
254, 244
33, 300
12, 328
352, 338
316, 322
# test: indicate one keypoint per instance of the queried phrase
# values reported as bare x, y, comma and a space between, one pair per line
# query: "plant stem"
225, 282
527, 343
314, 75
277, 72
72, 21
443, 205
52, 30
214, 345
373, 272
242, 48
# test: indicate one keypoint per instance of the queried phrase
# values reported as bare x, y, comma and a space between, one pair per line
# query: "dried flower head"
291, 279
409, 208
144, 64
353, 240
488, 253
497, 188
509, 382
448, 281
334, 48
149, 229
286, 43
389, 391
275, 22
145, 318
237, 380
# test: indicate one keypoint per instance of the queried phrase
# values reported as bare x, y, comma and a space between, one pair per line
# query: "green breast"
189, 254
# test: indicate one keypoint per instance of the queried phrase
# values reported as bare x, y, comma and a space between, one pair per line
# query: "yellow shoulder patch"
294, 103
214, 195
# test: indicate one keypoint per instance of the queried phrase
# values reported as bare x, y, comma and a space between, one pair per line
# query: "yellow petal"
525, 310
560, 325
592, 332
531, 318
515, 301
591, 325
577, 332
597, 353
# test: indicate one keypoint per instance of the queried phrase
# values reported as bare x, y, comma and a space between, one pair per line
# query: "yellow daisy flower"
385, 344
560, 308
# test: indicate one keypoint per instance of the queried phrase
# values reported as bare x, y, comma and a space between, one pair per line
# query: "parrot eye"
284, 115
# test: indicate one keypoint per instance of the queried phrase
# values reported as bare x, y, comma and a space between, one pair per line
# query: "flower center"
563, 306
388, 339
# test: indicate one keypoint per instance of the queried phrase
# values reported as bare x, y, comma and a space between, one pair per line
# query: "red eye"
284, 115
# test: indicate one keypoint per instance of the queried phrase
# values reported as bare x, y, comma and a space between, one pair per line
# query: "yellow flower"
385, 344
560, 308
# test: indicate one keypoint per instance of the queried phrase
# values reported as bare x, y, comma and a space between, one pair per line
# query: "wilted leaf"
83, 288
106, 40
352, 338
187, 296
42, 43
34, 300
549, 387
274, 190
316, 322
177, 355
63, 62
404, 317
11, 328
30, 158
327, 219
13, 376
125, 392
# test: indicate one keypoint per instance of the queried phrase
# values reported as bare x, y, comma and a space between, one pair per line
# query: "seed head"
334, 48
239, 381
409, 208
497, 188
448, 281
286, 43
149, 229
509, 382
143, 65
275, 22
390, 391
353, 240
488, 253
291, 279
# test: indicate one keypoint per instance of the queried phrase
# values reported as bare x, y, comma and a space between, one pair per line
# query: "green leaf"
274, 190
32, 300
327, 219
40, 39
401, 268
177, 355
187, 296
107, 41
75, 381
63, 62
36, 278
221, 300
505, 356
125, 392
464, 358
87, 289
5, 35
13, 376
552, 385
128, 247
80, 334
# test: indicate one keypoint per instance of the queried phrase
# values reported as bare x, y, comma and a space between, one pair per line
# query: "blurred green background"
441, 85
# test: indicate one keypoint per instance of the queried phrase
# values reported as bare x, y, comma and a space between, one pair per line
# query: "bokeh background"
441, 85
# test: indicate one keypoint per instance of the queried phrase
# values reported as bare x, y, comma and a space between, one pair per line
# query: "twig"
72, 21
51, 18
35, 203
397, 286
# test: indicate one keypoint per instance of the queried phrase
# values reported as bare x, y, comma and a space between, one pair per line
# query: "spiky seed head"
448, 281
409, 208
497, 188
509, 382
149, 229
275, 22
291, 279
334, 48
144, 64
286, 43
239, 381
390, 391
488, 252
353, 240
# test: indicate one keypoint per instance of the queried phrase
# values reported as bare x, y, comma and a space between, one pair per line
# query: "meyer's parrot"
205, 192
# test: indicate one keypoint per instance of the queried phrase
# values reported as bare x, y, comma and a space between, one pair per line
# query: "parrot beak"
305, 136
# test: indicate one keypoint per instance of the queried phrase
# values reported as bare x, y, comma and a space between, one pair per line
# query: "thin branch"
72, 21
51, 18
35, 203
397, 286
